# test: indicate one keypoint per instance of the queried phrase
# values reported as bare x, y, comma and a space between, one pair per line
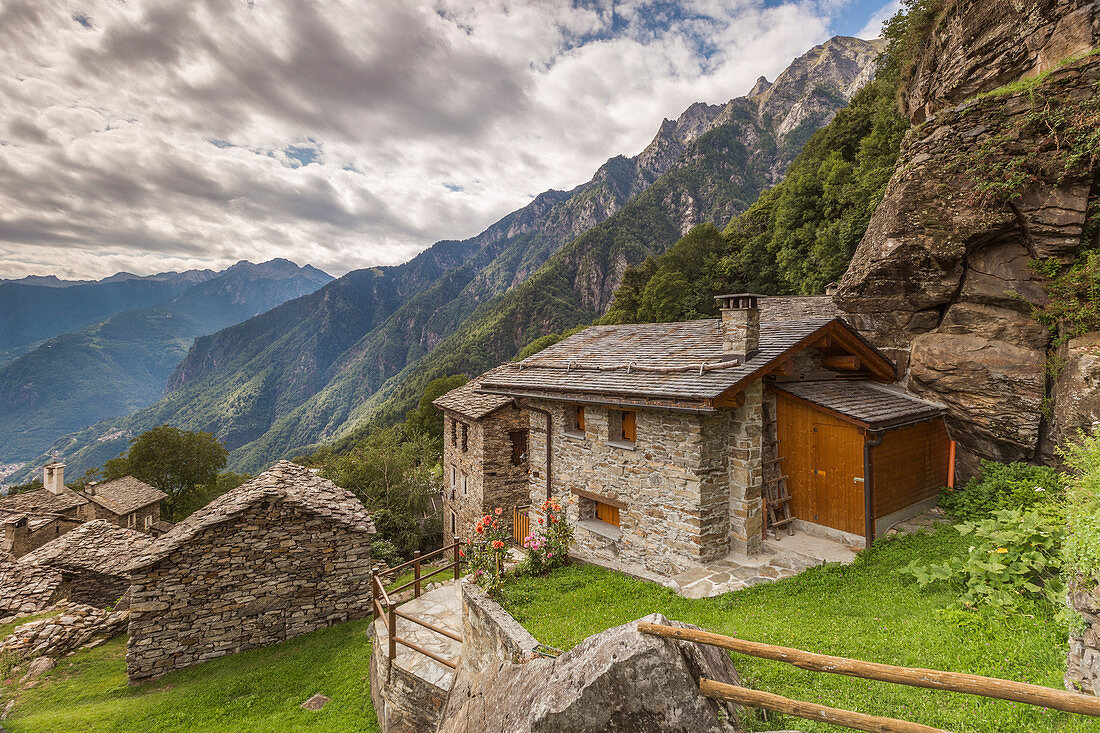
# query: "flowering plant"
548, 546
489, 551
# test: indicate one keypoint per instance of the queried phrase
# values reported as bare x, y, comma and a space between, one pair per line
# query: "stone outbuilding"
679, 443
125, 502
485, 449
281, 555
92, 560
22, 532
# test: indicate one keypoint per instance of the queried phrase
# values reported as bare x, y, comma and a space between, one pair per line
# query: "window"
607, 513
148, 521
463, 484
519, 446
622, 429
454, 432
131, 520
454, 524
574, 422
465, 437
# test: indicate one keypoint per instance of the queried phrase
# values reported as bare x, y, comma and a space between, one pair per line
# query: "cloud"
873, 29
157, 134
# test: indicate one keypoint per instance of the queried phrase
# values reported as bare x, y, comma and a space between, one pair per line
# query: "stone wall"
402, 701
19, 540
690, 484
63, 633
91, 511
268, 574
1083, 668
91, 588
483, 476
490, 635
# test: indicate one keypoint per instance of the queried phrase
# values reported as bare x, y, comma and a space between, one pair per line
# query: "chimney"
53, 477
740, 325
89, 488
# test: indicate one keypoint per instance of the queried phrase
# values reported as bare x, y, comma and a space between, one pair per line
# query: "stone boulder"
1083, 664
1076, 392
618, 681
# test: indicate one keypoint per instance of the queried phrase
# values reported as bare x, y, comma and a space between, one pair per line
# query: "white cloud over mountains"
152, 135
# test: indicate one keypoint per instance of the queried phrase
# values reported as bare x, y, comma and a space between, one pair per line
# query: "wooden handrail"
414, 581
430, 626
809, 710
422, 558
1047, 697
380, 589
426, 653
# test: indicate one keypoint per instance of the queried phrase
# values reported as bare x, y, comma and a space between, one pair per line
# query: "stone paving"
782, 558
440, 606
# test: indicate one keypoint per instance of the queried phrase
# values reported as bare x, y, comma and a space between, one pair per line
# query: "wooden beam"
842, 362
602, 499
736, 400
971, 684
809, 710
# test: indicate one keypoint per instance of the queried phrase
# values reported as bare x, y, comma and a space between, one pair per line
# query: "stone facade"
689, 486
284, 554
21, 534
483, 468
1083, 667
142, 519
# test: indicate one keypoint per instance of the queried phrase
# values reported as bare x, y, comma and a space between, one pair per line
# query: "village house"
92, 560
30, 519
281, 555
679, 443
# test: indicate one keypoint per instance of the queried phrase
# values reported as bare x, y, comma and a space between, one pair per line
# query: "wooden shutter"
630, 427
607, 513
580, 419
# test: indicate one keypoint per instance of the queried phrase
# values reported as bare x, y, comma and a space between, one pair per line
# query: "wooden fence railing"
521, 524
386, 609
1072, 702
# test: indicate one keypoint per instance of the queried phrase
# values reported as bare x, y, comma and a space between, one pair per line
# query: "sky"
156, 135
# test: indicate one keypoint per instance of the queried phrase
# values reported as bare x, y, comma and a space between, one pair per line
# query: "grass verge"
257, 690
864, 611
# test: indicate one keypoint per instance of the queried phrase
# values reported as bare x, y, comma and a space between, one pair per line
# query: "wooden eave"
677, 404
881, 368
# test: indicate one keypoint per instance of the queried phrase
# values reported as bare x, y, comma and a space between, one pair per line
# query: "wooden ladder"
777, 500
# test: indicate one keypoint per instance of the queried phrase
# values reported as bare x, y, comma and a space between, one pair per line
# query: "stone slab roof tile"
602, 352
26, 588
285, 481
98, 545
42, 501
125, 495
876, 405
469, 402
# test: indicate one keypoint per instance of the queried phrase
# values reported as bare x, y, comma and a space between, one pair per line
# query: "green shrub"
386, 551
1015, 559
1003, 486
1081, 552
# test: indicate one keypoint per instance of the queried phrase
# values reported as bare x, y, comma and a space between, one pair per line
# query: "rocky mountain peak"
762, 85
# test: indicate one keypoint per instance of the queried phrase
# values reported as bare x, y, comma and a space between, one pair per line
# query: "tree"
426, 418
180, 463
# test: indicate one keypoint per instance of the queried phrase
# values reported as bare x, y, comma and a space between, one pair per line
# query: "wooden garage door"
823, 459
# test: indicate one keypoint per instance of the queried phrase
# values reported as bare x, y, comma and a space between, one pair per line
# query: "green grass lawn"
864, 611
258, 690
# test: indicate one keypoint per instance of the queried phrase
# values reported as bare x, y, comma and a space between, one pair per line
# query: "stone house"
281, 555
485, 460
125, 502
22, 532
671, 439
92, 560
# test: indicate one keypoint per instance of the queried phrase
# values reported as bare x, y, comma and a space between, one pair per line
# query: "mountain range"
122, 363
361, 349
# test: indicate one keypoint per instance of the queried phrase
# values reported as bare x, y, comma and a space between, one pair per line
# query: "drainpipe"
549, 425
870, 442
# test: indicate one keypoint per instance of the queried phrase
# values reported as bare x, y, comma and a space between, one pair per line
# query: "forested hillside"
123, 363
367, 344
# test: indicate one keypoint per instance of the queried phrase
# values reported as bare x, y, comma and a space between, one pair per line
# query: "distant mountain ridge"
314, 368
122, 363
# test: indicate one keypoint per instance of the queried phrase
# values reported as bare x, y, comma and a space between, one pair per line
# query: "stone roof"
874, 405
42, 501
25, 588
35, 522
286, 482
469, 402
124, 495
677, 361
98, 545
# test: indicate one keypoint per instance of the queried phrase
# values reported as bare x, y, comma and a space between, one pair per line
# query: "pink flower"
499, 511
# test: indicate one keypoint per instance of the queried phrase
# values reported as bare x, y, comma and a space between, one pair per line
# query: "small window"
628, 427
465, 437
131, 520
519, 447
607, 513
454, 524
454, 477
574, 421
463, 484
454, 431
148, 521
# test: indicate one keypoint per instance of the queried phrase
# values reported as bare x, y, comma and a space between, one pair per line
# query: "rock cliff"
989, 181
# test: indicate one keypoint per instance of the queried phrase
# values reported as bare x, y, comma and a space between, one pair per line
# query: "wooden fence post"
391, 611
458, 558
416, 573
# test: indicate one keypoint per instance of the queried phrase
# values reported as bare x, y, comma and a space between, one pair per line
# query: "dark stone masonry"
1083, 668
282, 555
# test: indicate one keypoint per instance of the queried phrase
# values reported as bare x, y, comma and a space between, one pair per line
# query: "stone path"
782, 558
441, 606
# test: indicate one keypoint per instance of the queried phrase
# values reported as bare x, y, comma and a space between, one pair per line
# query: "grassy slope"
259, 690
865, 611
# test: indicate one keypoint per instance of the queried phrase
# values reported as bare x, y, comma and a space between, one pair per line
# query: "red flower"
485, 519
540, 521
499, 511
461, 553
479, 529
498, 544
